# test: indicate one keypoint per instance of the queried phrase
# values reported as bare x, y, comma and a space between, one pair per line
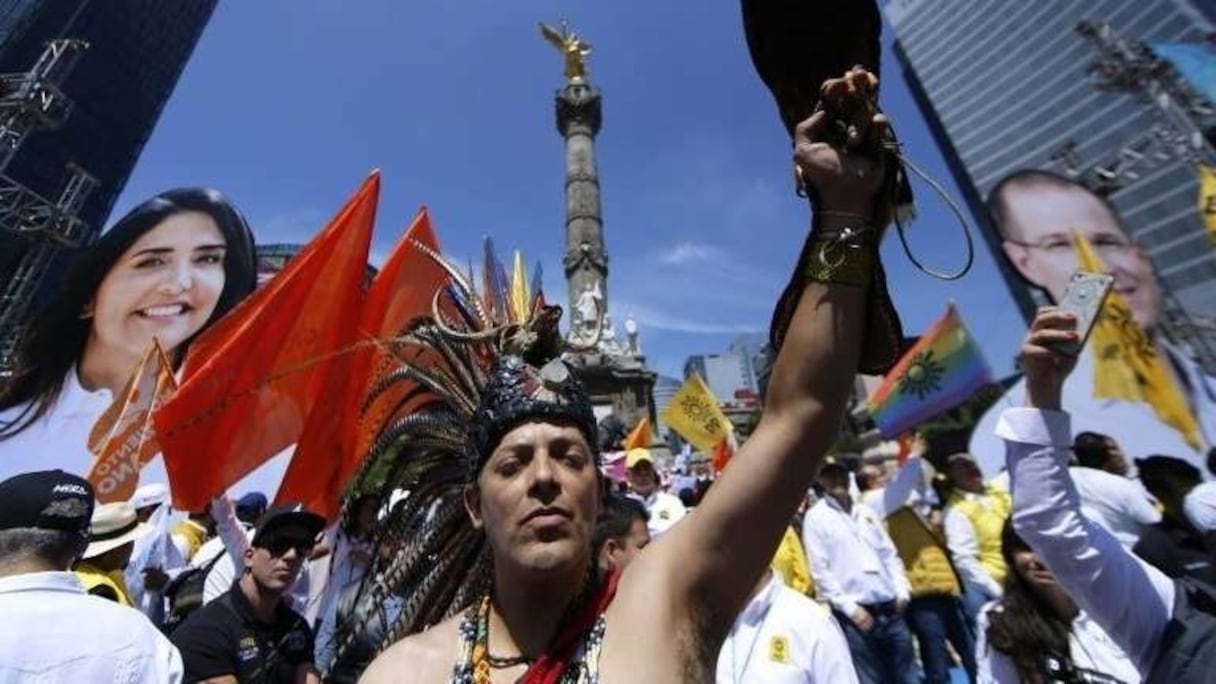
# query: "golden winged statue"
573, 48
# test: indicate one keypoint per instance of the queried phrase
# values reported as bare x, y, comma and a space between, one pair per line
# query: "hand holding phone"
1084, 297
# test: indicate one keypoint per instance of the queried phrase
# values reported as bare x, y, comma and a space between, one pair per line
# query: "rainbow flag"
942, 370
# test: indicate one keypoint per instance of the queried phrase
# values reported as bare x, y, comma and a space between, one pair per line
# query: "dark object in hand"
796, 47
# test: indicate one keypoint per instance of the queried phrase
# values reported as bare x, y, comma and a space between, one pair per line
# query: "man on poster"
1037, 213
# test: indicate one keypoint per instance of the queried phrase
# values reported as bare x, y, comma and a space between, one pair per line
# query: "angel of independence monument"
614, 372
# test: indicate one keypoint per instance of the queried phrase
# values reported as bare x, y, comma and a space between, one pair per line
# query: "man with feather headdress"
505, 487
500, 455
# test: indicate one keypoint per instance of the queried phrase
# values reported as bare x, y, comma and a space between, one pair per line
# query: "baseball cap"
46, 500
251, 506
635, 456
287, 515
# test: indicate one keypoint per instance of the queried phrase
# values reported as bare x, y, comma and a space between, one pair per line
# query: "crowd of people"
511, 558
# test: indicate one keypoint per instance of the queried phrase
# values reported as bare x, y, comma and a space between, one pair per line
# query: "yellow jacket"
987, 514
924, 555
194, 534
106, 584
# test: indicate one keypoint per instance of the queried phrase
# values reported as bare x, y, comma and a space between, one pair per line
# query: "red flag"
722, 454
253, 379
124, 438
331, 450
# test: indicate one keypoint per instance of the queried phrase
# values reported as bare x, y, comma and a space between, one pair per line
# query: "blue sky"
286, 105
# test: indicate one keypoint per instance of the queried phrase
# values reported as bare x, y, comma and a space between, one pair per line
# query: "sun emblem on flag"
923, 376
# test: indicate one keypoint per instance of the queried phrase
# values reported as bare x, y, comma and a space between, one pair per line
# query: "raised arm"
1131, 600
745, 513
899, 490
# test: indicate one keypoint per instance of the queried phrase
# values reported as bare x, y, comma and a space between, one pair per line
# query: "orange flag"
251, 380
641, 437
124, 437
336, 439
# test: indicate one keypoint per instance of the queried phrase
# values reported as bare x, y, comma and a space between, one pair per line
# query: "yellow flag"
695, 414
1207, 199
521, 298
1126, 363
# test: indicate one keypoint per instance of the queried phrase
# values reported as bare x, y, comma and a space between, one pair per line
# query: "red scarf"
551, 664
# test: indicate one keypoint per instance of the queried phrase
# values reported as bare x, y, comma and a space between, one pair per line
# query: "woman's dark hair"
1025, 628
56, 339
1091, 449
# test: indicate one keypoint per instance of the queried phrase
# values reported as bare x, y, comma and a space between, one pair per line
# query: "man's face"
619, 553
964, 474
643, 478
276, 562
1116, 462
836, 486
1041, 221
537, 498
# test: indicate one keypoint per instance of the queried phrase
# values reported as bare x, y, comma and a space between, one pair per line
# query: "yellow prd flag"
695, 414
641, 437
1126, 363
1207, 199
521, 299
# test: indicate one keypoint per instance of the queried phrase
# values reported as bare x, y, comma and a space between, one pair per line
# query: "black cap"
46, 500
287, 515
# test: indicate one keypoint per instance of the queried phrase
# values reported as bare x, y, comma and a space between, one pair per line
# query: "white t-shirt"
1089, 646
783, 636
665, 510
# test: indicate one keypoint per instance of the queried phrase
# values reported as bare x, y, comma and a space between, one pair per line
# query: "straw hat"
113, 525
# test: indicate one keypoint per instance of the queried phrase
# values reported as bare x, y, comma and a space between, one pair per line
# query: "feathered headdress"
477, 366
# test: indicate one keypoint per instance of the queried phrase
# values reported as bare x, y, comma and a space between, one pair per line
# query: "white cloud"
689, 253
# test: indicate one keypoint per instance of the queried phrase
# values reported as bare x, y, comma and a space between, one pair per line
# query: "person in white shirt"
169, 268
1165, 626
1116, 503
858, 570
52, 631
783, 637
665, 509
1035, 632
1036, 213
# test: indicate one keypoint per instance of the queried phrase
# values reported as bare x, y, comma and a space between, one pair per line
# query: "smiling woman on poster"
172, 266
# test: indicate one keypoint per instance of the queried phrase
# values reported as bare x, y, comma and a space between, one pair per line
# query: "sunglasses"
279, 547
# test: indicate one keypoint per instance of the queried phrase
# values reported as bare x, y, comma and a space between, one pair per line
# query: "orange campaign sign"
124, 437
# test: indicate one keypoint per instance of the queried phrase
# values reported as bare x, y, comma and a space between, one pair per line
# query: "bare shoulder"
422, 658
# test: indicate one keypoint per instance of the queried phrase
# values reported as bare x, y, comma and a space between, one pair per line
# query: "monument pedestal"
619, 385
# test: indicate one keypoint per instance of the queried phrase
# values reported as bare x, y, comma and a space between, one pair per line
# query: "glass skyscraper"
137, 50
1007, 86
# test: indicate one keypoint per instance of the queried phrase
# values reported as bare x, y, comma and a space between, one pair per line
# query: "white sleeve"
229, 528
220, 579
830, 659
165, 667
992, 666
965, 549
1089, 563
895, 495
1138, 506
